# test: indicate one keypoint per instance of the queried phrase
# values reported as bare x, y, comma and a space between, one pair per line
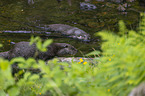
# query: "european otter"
69, 31
23, 49
4, 54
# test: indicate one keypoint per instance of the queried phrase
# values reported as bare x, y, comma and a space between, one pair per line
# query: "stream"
19, 16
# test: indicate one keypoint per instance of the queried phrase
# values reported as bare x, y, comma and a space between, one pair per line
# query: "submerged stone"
87, 6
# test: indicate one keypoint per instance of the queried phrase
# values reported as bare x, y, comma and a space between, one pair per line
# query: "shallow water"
19, 15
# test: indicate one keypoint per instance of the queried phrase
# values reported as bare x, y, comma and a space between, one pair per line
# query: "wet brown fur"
23, 49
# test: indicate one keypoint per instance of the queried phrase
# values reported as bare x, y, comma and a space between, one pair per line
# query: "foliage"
119, 69
40, 46
122, 64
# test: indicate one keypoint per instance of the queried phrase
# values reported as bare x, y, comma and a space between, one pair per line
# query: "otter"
4, 54
68, 31
23, 49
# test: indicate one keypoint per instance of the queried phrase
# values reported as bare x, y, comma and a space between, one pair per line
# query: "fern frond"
142, 24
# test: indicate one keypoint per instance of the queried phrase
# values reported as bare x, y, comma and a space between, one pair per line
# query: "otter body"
69, 31
23, 49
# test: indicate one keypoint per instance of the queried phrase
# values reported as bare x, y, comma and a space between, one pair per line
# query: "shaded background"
19, 15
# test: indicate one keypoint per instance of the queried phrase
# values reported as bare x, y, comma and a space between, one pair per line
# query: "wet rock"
26, 32
69, 60
100, 0
142, 2
126, 5
61, 59
138, 91
87, 6
75, 59
120, 1
130, 0
58, 1
30, 2
87, 0
117, 1
121, 8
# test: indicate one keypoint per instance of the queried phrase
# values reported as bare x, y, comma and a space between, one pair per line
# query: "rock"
27, 32
117, 1
75, 59
138, 91
68, 31
69, 60
100, 0
87, 6
121, 8
130, 0
121, 1
142, 2
60, 59
87, 0
30, 2
58, 1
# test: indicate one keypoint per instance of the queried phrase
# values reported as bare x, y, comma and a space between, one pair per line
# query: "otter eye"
66, 46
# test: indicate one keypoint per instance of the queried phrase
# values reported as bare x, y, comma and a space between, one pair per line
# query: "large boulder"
139, 90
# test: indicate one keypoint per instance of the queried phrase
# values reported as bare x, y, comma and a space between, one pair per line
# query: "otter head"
81, 35
65, 49
85, 38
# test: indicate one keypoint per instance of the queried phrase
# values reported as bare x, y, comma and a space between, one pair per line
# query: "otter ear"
66, 46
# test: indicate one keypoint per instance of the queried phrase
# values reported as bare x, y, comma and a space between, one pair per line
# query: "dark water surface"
18, 15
